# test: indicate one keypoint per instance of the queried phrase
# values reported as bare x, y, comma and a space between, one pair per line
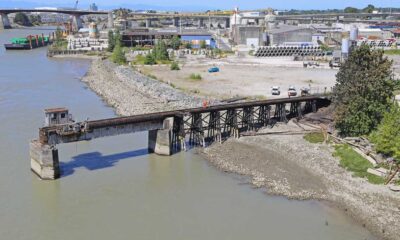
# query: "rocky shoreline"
284, 165
130, 92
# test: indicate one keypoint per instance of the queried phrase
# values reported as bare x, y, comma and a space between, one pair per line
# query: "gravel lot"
244, 77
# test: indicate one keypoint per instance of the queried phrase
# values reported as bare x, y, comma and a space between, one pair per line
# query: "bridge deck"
114, 126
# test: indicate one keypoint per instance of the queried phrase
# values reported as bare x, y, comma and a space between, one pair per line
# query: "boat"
29, 42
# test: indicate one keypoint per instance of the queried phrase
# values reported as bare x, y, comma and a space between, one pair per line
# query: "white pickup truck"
292, 91
275, 90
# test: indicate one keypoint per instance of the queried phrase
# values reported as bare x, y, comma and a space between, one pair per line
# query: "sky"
203, 4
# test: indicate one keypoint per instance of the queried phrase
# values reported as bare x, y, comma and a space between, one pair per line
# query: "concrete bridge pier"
110, 23
77, 22
201, 22
160, 140
44, 160
148, 23
227, 23
4, 21
176, 21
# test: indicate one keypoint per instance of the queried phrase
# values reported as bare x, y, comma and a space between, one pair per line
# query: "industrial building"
248, 35
146, 36
289, 35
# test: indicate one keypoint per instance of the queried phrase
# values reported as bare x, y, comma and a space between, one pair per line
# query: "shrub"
195, 76
175, 66
118, 56
149, 59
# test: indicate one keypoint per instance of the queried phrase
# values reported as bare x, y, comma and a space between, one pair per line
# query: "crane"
76, 4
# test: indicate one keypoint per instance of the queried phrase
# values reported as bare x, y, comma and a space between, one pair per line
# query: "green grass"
354, 162
392, 52
195, 76
315, 137
139, 60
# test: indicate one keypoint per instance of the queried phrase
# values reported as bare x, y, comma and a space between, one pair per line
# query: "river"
112, 188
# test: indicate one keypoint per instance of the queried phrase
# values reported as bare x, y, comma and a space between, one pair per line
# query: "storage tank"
354, 34
93, 31
345, 47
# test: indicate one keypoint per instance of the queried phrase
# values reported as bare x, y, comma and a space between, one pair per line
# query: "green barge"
29, 42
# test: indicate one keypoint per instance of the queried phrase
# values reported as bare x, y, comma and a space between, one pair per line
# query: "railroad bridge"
168, 131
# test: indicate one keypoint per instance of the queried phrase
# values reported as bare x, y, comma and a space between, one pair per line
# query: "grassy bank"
352, 161
392, 52
315, 137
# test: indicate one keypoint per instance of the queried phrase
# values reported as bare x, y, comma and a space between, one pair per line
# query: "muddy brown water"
112, 188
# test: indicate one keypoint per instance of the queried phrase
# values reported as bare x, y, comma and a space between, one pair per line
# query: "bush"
118, 56
149, 59
203, 44
195, 76
188, 45
175, 66
387, 136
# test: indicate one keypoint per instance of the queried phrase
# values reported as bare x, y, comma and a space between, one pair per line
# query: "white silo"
353, 34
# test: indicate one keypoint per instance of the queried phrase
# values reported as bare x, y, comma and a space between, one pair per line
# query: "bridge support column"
227, 23
4, 21
77, 22
201, 22
44, 160
160, 140
176, 21
110, 23
148, 23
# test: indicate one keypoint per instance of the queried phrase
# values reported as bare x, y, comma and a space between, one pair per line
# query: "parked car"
292, 91
275, 90
213, 70
304, 91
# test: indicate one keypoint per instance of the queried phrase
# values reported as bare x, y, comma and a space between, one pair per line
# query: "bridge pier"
200, 22
4, 21
148, 23
160, 140
77, 22
227, 23
176, 21
44, 160
110, 23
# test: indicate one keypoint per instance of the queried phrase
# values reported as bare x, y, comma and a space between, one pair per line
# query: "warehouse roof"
286, 28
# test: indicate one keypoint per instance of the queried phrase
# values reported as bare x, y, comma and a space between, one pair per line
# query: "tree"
118, 56
160, 52
111, 41
22, 19
35, 19
175, 42
369, 9
364, 87
351, 10
387, 136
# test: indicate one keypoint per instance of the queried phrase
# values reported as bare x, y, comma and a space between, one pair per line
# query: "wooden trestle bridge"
170, 130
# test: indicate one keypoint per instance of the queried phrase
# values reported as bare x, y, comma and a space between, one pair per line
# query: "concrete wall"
301, 35
241, 34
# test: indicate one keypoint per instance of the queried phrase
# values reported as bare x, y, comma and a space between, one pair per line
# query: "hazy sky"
221, 4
